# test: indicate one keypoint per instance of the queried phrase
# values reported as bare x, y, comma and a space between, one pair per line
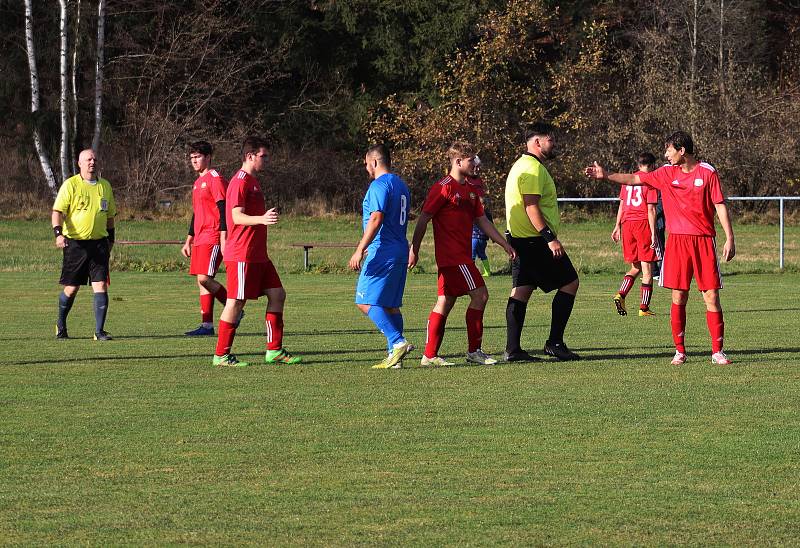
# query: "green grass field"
142, 441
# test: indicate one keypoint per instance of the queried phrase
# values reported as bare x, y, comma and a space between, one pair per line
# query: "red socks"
227, 331
207, 307
627, 283
716, 328
474, 329
274, 327
647, 292
678, 321
436, 324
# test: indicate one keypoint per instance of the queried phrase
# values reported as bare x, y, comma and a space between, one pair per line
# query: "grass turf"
141, 441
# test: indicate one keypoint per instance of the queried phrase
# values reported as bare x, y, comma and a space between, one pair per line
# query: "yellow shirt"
86, 208
529, 176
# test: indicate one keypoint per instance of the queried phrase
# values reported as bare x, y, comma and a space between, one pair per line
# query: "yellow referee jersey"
529, 176
86, 207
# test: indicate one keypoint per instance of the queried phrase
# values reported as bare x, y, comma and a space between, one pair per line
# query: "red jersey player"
691, 193
251, 274
205, 242
453, 204
636, 223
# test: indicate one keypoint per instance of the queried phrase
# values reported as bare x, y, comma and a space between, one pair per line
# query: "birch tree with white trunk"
62, 55
44, 160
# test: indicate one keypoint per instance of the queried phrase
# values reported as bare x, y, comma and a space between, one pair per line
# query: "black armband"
547, 234
223, 223
191, 226
111, 235
57, 231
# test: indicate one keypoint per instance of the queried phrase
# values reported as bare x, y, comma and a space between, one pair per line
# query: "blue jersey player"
382, 254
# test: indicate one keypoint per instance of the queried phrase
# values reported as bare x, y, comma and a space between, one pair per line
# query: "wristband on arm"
547, 234
111, 235
57, 231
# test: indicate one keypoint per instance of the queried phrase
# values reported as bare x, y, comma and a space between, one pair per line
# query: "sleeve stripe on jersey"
707, 166
240, 175
214, 173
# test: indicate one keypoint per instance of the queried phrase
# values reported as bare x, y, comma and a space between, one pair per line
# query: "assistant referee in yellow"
83, 224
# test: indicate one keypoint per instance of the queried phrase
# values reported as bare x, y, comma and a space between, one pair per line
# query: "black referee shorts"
85, 261
536, 266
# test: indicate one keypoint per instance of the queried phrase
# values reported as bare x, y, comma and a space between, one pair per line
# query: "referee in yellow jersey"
83, 224
534, 225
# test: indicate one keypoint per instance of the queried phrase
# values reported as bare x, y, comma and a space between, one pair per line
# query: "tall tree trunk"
44, 160
74, 133
98, 80
62, 55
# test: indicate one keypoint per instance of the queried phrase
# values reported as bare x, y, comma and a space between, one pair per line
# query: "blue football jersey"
390, 195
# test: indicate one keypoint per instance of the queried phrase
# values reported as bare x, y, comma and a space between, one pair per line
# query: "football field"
142, 441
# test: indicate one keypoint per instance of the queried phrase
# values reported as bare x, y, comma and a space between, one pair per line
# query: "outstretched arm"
729, 249
596, 171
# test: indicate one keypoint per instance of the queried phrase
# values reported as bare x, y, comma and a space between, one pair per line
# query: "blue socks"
391, 325
100, 311
64, 306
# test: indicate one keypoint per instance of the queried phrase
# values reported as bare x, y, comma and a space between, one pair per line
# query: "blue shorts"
382, 283
479, 248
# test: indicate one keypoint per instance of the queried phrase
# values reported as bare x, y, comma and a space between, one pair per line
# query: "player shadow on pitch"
70, 361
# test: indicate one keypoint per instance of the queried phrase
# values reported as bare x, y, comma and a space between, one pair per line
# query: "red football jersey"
634, 200
688, 198
208, 189
246, 244
454, 206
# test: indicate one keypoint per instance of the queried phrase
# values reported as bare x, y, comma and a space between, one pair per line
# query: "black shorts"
536, 266
85, 261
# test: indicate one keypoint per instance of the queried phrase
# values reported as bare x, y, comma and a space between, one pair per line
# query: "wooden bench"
308, 246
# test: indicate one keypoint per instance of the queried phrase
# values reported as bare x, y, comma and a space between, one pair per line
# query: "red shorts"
251, 280
458, 280
205, 260
636, 242
687, 256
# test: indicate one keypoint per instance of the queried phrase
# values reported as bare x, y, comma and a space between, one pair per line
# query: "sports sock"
627, 284
64, 306
515, 320
207, 307
227, 331
716, 328
221, 295
381, 319
647, 292
474, 329
274, 327
678, 321
436, 323
397, 323
562, 309
100, 311
487, 268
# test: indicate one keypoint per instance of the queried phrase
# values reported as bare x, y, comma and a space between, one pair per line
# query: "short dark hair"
681, 140
539, 129
646, 159
252, 145
201, 147
381, 153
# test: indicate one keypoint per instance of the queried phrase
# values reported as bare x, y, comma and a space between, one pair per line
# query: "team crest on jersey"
471, 195
698, 182
203, 185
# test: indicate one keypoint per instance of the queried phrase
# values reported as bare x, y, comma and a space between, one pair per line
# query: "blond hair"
460, 149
